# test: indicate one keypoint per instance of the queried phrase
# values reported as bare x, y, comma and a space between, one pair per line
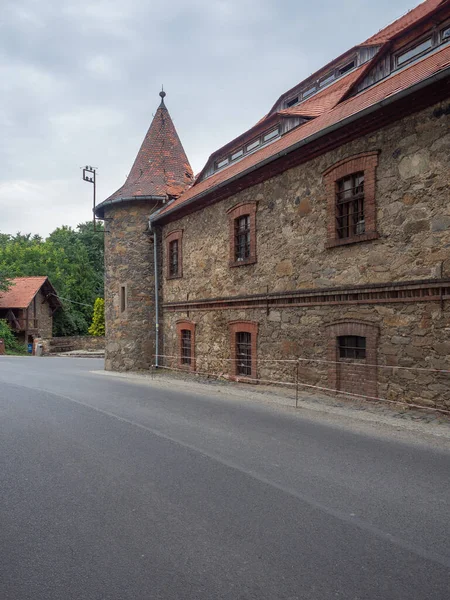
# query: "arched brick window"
174, 254
242, 228
243, 347
350, 187
186, 344
352, 355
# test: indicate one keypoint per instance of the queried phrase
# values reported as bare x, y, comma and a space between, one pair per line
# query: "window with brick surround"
242, 225
350, 186
243, 339
186, 344
352, 357
174, 254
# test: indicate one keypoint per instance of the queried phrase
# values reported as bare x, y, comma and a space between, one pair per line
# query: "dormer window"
237, 155
326, 80
445, 34
346, 68
309, 92
252, 146
271, 135
414, 52
292, 102
221, 163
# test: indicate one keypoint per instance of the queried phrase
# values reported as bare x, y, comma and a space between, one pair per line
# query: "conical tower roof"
161, 167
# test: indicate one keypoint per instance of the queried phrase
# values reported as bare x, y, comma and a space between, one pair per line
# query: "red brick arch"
357, 380
366, 162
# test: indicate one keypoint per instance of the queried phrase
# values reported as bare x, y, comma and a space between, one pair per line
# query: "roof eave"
100, 208
315, 136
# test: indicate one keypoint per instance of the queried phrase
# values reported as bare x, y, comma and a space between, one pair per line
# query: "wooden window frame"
173, 236
366, 163
236, 327
185, 324
359, 329
242, 210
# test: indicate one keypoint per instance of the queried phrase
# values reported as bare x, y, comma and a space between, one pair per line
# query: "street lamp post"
91, 179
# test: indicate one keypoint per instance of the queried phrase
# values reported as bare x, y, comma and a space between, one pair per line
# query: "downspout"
155, 262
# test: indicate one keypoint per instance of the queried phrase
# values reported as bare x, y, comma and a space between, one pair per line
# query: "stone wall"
76, 342
43, 315
410, 337
412, 210
129, 262
413, 225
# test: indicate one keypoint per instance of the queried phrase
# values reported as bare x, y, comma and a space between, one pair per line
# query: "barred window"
173, 258
242, 238
243, 353
186, 347
352, 346
350, 220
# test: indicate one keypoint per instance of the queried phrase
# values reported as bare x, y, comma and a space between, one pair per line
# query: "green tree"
97, 327
12, 346
72, 259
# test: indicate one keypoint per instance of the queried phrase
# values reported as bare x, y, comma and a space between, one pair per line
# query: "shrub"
98, 318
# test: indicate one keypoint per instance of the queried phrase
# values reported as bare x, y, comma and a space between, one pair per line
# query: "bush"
98, 319
12, 346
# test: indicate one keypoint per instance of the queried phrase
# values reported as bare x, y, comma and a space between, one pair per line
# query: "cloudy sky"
79, 83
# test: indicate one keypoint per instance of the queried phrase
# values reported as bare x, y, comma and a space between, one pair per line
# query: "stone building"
28, 306
316, 245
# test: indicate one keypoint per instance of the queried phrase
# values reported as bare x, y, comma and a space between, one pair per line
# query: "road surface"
114, 490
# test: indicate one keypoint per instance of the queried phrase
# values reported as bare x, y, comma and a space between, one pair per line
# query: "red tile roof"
392, 85
327, 98
403, 23
161, 167
21, 292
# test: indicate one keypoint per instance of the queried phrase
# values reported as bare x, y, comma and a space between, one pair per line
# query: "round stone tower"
161, 171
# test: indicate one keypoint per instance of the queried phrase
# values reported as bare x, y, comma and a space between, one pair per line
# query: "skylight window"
405, 57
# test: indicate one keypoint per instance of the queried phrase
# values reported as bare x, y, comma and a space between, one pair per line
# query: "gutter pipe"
315, 136
155, 263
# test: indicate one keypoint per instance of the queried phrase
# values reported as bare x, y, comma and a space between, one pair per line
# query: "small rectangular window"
326, 80
309, 92
292, 102
221, 163
253, 145
271, 135
173, 258
352, 346
244, 353
350, 220
123, 298
446, 34
242, 238
186, 347
346, 68
413, 52
237, 154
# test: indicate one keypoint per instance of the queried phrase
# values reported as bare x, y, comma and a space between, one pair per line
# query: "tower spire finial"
162, 93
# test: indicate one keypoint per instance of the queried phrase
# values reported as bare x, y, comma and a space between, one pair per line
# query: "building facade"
315, 247
28, 307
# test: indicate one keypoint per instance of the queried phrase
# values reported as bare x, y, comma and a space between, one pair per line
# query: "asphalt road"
112, 490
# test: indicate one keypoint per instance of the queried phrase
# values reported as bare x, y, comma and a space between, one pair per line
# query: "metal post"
296, 385
91, 179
